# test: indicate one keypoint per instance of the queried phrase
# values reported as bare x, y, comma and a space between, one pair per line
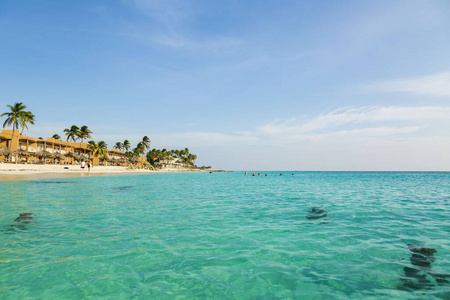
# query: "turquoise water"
224, 236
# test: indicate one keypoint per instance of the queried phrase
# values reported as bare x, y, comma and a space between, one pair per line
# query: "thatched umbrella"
43, 154
24, 153
69, 154
103, 158
4, 151
114, 161
21, 153
58, 156
77, 157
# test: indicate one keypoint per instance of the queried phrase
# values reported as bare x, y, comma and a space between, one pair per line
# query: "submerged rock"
421, 256
316, 213
24, 217
419, 274
21, 222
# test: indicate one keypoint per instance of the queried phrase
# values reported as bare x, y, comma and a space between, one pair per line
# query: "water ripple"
223, 236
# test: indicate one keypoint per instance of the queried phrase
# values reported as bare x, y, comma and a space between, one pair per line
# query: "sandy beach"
10, 172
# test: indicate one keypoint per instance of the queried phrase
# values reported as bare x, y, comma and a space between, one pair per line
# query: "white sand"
11, 171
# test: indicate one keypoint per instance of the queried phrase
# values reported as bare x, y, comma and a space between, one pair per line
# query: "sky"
245, 85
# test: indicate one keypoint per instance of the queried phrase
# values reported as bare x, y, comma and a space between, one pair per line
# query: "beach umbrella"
59, 156
24, 153
5, 151
103, 158
43, 154
69, 154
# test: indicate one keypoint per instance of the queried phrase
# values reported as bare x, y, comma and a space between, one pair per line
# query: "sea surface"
225, 236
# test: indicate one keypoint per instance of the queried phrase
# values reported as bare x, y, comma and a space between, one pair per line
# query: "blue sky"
294, 85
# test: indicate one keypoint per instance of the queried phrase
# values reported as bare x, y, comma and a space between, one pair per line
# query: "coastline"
19, 172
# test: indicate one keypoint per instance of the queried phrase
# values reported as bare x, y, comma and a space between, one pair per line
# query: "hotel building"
31, 150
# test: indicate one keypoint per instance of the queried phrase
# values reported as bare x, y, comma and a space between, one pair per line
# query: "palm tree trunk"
11, 142
12, 139
80, 150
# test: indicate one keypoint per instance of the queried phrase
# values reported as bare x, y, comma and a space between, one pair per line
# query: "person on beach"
83, 164
89, 166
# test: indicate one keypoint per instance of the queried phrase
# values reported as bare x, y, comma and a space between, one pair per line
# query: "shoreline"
19, 172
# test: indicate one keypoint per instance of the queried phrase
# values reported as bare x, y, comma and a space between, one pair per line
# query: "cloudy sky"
257, 85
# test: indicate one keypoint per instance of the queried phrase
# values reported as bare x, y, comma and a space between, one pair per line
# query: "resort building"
24, 149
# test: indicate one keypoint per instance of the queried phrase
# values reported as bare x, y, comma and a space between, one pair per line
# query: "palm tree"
28, 118
73, 133
126, 145
98, 149
17, 117
118, 146
84, 133
56, 136
192, 158
146, 142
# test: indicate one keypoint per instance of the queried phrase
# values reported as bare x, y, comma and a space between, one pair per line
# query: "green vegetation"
17, 117
72, 133
98, 149
84, 133
157, 157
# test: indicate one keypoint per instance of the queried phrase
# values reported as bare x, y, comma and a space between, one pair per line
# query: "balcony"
32, 149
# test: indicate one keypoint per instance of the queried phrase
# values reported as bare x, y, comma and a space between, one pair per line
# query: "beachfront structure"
170, 163
24, 149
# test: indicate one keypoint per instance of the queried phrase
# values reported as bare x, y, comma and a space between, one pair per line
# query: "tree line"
19, 118
156, 156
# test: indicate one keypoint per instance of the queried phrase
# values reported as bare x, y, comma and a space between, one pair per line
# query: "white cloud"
432, 85
364, 138
331, 122
173, 19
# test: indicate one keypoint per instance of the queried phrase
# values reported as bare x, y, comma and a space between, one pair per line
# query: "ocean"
227, 236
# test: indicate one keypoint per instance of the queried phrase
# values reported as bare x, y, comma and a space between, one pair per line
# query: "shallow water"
224, 236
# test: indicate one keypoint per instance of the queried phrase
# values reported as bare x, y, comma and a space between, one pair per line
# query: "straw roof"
5, 151
43, 154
